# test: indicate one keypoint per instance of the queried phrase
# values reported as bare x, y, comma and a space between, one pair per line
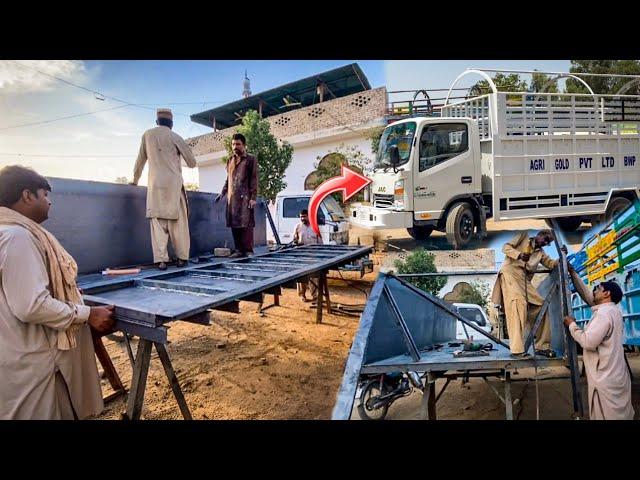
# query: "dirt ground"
282, 365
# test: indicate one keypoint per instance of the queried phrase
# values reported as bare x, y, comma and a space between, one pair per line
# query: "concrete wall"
104, 224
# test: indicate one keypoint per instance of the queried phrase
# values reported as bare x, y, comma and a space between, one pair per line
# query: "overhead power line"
51, 120
63, 156
95, 92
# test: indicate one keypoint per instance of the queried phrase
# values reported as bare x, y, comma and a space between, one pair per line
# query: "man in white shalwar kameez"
607, 372
167, 206
47, 361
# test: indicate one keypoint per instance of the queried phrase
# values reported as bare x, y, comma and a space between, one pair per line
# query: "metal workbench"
147, 302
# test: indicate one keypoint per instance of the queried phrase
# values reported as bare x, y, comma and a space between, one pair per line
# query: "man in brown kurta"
47, 361
601, 340
515, 293
167, 206
241, 190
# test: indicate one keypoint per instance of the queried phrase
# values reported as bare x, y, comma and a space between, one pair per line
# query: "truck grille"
382, 201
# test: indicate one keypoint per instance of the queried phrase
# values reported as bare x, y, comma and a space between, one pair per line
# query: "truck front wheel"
460, 225
420, 232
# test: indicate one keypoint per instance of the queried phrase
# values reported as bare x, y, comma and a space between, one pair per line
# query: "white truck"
332, 222
506, 155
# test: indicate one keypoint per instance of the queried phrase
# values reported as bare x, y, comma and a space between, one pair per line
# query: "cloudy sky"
111, 103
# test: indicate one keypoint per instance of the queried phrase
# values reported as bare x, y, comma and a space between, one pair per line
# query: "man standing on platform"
167, 207
241, 190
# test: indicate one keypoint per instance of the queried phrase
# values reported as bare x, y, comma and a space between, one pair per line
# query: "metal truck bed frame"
406, 329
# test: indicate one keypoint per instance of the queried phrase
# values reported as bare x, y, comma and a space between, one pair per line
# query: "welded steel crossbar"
145, 303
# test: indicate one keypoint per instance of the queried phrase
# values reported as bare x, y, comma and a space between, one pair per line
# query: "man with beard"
47, 360
241, 190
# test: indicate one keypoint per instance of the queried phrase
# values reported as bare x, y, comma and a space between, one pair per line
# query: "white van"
475, 314
333, 224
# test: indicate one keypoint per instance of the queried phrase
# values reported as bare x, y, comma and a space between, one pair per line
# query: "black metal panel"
104, 224
165, 296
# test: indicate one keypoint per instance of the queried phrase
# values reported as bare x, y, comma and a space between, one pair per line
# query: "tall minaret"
247, 86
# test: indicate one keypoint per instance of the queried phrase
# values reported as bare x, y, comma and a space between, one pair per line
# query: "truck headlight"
398, 188
398, 193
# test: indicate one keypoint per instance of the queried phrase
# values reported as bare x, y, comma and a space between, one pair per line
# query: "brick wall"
359, 108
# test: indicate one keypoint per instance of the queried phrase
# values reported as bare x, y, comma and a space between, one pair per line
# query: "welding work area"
165, 303
148, 300
406, 338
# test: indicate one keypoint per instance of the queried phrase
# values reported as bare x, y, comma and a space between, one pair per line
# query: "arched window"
329, 166
454, 296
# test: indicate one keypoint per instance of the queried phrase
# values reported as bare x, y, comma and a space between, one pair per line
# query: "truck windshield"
399, 134
334, 209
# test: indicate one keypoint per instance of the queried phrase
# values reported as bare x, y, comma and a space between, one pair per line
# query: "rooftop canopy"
334, 83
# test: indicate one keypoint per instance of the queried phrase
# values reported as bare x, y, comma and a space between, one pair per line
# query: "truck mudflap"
373, 218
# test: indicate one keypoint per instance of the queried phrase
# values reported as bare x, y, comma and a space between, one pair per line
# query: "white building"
316, 115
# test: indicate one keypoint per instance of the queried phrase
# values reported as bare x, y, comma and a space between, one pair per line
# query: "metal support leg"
139, 380
326, 291
428, 405
507, 396
319, 301
173, 380
107, 366
127, 342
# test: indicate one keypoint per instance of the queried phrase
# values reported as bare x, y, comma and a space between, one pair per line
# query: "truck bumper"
373, 218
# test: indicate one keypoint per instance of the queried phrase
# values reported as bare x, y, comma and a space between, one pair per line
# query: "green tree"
504, 83
274, 157
193, 187
604, 85
476, 293
539, 82
421, 261
375, 135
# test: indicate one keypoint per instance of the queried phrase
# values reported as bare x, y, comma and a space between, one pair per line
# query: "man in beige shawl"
515, 293
47, 361
167, 206
601, 340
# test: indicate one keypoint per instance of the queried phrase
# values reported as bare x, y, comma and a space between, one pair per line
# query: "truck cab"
332, 222
427, 176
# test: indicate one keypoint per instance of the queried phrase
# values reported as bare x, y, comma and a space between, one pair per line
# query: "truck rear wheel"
460, 225
420, 232
616, 206
566, 224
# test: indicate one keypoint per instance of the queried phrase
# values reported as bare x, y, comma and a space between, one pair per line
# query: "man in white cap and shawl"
47, 361
167, 206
